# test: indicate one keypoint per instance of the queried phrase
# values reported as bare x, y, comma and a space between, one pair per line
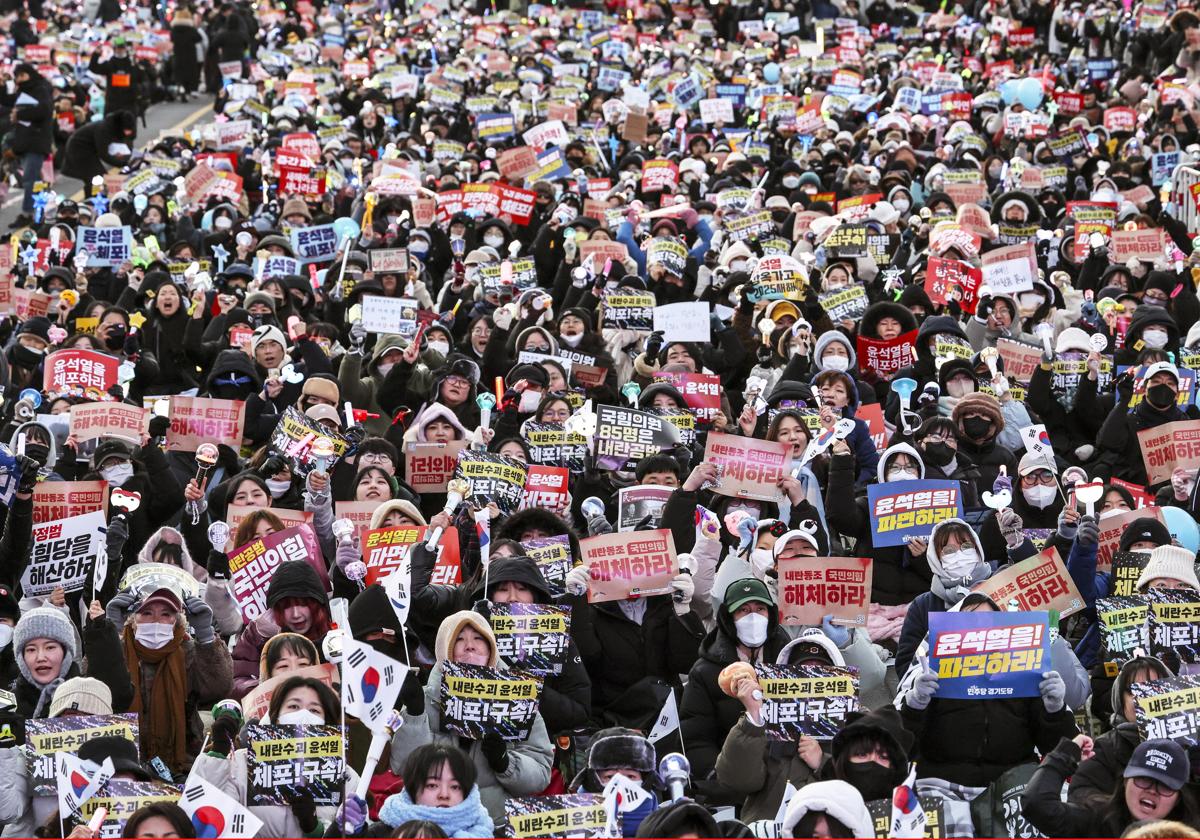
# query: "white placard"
386, 314
683, 321
716, 110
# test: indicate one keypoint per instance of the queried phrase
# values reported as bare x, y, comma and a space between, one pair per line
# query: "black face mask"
38, 452
938, 454
872, 780
115, 339
1160, 396
976, 428
22, 356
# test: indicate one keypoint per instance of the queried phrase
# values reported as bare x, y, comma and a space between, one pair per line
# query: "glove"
837, 634
223, 734
114, 539
1010, 523
1065, 529
1053, 691
502, 318
218, 564
352, 815
357, 336
715, 324
578, 580
412, 696
304, 807
348, 552
159, 426
682, 589
133, 345
120, 604
598, 525
495, 751
654, 343
570, 246
200, 618
923, 689
1087, 533
29, 474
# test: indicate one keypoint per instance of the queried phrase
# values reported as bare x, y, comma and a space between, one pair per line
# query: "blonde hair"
1162, 828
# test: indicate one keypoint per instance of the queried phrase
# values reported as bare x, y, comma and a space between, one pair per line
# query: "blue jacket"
1092, 585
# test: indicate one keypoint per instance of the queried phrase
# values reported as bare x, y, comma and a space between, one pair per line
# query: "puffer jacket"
362, 390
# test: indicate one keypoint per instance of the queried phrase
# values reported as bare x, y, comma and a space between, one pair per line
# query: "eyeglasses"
1146, 783
1038, 477
373, 459
457, 380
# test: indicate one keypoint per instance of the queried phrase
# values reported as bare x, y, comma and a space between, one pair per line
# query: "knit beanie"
85, 695
323, 387
1170, 561
1145, 529
44, 623
984, 404
267, 332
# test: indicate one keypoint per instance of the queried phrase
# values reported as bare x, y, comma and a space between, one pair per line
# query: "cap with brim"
1162, 760
783, 541
742, 592
805, 652
163, 596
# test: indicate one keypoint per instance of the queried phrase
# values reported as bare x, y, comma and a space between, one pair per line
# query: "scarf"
953, 590
164, 723
466, 819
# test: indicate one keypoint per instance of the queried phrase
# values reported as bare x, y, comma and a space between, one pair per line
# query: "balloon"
1030, 93
1182, 527
346, 228
1008, 91
771, 73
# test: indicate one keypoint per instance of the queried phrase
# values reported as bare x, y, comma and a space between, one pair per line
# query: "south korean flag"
370, 683
214, 813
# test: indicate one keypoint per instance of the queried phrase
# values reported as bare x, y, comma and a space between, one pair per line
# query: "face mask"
118, 475
439, 347
976, 427
761, 562
939, 454
752, 629
791, 181
156, 228
1104, 514
959, 564
838, 363
6, 634
529, 401
25, 357
222, 223
901, 206
871, 779
301, 717
737, 265
278, 487
959, 388
38, 452
1155, 339
418, 247
571, 340
155, 635
495, 240
1040, 496
901, 475
1160, 396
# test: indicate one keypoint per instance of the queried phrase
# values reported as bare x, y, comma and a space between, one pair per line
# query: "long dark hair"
1116, 818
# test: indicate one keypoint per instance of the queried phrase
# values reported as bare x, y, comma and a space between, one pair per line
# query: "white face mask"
761, 562
752, 629
1104, 514
439, 347
117, 475
6, 634
301, 717
529, 401
384, 367
1155, 339
154, 635
791, 181
901, 475
222, 223
737, 265
958, 564
901, 206
571, 340
838, 363
1040, 496
278, 487
494, 240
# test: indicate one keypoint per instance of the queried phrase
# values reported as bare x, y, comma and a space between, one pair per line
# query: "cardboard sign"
884, 358
748, 468
1040, 582
844, 304
811, 588
550, 444
234, 514
1168, 708
602, 250
429, 466
478, 701
1169, 447
624, 436
197, 420
109, 419
106, 247
69, 371
65, 499
385, 550
252, 565
902, 510
517, 163
314, 244
633, 563
988, 655
289, 763
532, 637
812, 700
359, 513
493, 478
944, 277
63, 553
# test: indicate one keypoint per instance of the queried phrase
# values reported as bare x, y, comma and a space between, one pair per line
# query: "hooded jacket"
226, 615
435, 411
361, 389
866, 457
923, 371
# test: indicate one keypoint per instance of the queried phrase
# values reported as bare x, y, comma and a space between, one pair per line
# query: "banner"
570, 815
545, 487
479, 701
641, 503
812, 700
287, 763
1126, 569
988, 655
532, 637
294, 436
902, 510
811, 588
701, 392
429, 466
748, 468
93, 420
71, 371
1111, 529
65, 499
63, 553
493, 478
553, 558
1168, 708
1168, 447
67, 733
252, 565
624, 436
197, 420
626, 564
550, 444
884, 358
1040, 582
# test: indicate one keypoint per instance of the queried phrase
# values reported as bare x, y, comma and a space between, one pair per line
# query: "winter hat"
620, 748
834, 337
295, 206
38, 326
44, 623
1145, 529
260, 297
110, 448
296, 579
1170, 561
984, 404
1160, 759
267, 332
85, 695
10, 607
396, 505
837, 799
324, 387
371, 612
123, 753
782, 542
453, 625
810, 646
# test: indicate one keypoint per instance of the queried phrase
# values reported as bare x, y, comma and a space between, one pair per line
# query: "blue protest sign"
901, 510
314, 244
988, 655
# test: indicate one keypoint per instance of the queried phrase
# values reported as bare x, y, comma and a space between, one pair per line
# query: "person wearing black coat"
88, 152
1120, 451
32, 137
186, 42
924, 370
121, 79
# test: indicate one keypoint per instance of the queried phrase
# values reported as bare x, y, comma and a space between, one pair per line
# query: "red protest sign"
197, 420
701, 392
545, 487
515, 203
54, 500
629, 563
305, 142
811, 588
1144, 244
1020, 360
66, 370
1120, 119
384, 549
659, 175
943, 276
748, 468
884, 358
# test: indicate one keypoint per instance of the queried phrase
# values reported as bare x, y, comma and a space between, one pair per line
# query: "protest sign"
64, 499
1173, 623
389, 260
294, 437
258, 701
1111, 529
285, 764
532, 637
234, 514
935, 817
252, 565
687, 321
576, 815
642, 503
1168, 708
812, 700
624, 436
885, 357
631, 563
550, 444
93, 420
105, 247
545, 487
428, 466
68, 371
1169, 447
668, 253
1146, 245
1123, 628
988, 655
625, 309
778, 277
121, 798
358, 513
479, 701
1040, 582
902, 510
1020, 359
145, 578
1126, 569
197, 420
314, 244
385, 550
553, 558
67, 733
389, 314
63, 552
493, 478
811, 588
748, 468
844, 304
701, 392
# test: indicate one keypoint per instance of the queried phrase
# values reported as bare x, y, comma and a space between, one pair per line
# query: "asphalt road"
165, 116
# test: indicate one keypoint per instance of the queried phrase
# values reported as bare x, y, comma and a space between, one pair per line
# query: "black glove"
412, 696
305, 809
355, 434
218, 564
654, 343
159, 426
715, 324
495, 751
133, 345
29, 473
224, 732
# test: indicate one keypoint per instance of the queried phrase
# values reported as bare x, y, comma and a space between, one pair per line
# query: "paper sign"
65, 499
902, 510
1169, 447
633, 563
63, 553
811, 588
686, 321
812, 700
478, 701
252, 565
748, 468
197, 420
988, 655
1040, 582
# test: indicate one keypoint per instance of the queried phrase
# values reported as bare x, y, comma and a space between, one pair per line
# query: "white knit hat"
85, 695
1170, 561
837, 799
